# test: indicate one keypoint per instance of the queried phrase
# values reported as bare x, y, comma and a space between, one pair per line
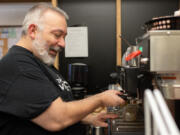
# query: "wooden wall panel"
118, 32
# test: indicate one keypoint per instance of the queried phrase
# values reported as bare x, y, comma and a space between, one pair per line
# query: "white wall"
13, 13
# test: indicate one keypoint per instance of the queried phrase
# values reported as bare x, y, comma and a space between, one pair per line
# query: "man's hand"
111, 98
98, 119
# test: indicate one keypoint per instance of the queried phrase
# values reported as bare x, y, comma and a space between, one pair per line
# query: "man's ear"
32, 30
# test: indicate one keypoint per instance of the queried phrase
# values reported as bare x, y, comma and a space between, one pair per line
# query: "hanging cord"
125, 40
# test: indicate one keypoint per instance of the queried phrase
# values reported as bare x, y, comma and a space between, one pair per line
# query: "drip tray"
127, 126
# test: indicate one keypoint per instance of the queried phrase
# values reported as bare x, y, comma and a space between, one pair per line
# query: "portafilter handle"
124, 97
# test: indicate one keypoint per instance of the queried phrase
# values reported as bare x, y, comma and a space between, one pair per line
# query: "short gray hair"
34, 15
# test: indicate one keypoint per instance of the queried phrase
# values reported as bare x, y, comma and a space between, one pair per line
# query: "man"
34, 98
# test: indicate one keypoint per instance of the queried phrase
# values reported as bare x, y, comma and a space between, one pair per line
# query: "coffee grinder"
78, 79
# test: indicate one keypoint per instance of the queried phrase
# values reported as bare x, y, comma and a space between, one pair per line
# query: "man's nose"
61, 42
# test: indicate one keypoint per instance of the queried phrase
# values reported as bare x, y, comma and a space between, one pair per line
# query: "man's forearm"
88, 119
77, 110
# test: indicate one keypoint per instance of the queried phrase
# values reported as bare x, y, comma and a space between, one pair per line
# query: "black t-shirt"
27, 88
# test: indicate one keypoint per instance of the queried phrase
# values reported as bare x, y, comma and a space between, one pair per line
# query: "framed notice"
77, 42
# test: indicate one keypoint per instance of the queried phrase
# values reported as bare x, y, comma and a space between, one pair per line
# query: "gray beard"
40, 47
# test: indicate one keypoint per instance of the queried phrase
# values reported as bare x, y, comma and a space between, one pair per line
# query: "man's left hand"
99, 119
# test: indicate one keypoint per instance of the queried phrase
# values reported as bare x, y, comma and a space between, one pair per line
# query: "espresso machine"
160, 56
152, 63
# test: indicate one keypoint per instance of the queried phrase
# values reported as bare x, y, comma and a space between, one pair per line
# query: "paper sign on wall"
77, 42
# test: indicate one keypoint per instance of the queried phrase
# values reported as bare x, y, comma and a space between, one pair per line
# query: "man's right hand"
111, 98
